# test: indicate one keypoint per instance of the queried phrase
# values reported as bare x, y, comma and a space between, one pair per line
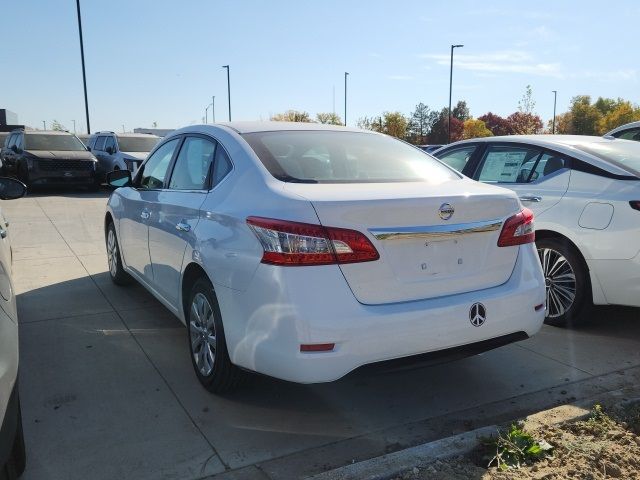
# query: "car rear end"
379, 268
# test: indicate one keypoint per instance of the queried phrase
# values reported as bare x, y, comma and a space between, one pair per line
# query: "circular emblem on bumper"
477, 314
446, 211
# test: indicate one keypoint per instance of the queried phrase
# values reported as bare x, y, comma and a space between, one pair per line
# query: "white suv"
12, 451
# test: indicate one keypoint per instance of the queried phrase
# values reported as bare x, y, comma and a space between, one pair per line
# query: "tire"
114, 259
17, 462
568, 285
205, 333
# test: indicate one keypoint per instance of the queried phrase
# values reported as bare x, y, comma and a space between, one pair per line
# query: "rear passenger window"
457, 158
508, 164
100, 143
549, 163
221, 167
191, 171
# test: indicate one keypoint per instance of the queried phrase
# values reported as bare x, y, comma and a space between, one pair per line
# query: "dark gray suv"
120, 151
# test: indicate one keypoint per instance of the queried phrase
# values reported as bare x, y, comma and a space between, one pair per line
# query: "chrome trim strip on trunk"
435, 231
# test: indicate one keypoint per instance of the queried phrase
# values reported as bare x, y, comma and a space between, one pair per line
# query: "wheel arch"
191, 274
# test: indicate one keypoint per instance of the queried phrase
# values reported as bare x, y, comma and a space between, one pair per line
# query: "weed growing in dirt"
515, 448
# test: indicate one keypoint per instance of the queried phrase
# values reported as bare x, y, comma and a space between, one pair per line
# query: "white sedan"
585, 193
303, 251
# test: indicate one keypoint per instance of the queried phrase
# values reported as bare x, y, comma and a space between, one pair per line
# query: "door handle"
145, 215
183, 227
531, 198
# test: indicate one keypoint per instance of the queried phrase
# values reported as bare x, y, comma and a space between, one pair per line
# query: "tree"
291, 116
526, 104
420, 123
439, 133
585, 118
461, 111
564, 124
474, 128
370, 123
623, 112
57, 126
522, 123
394, 124
329, 118
154, 124
496, 124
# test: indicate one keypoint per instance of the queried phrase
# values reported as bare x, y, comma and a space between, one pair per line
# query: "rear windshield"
344, 157
135, 144
622, 153
67, 143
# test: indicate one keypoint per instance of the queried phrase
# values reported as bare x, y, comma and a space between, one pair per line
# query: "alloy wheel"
112, 253
202, 331
560, 282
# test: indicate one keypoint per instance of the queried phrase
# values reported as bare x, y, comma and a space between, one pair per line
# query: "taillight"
296, 244
518, 229
635, 204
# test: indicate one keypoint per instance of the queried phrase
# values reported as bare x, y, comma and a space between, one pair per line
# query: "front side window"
457, 158
191, 171
508, 164
12, 140
633, 134
100, 143
66, 143
110, 143
155, 168
344, 157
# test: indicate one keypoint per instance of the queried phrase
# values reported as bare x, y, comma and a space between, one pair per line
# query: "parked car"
83, 137
630, 131
49, 158
12, 450
121, 151
3, 138
304, 251
585, 193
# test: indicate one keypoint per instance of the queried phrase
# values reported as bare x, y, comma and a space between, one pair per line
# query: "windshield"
343, 157
67, 143
622, 153
137, 144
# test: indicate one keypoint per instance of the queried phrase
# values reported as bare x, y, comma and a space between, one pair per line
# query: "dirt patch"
604, 445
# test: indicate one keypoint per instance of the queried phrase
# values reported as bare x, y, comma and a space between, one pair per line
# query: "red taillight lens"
518, 230
635, 204
293, 243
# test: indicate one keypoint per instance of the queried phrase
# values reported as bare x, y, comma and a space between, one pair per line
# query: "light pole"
123, 131
44, 124
74, 126
553, 125
450, 87
228, 89
206, 113
84, 75
213, 109
346, 74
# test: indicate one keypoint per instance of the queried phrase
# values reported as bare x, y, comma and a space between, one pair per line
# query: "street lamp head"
225, 66
457, 46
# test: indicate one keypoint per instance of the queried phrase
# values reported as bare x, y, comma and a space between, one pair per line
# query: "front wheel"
116, 270
207, 343
567, 283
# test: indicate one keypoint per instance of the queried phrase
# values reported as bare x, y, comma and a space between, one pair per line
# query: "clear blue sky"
160, 60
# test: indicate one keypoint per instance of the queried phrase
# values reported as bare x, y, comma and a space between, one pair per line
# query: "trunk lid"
422, 253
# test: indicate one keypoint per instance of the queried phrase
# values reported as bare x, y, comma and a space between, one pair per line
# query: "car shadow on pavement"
65, 191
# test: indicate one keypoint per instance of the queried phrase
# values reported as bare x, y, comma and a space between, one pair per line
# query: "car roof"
567, 144
126, 135
626, 126
253, 127
45, 132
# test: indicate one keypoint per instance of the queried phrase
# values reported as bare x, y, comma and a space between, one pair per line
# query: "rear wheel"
207, 343
116, 270
568, 287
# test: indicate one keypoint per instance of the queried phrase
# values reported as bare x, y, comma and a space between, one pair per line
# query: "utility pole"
451, 87
44, 124
346, 74
228, 89
74, 126
84, 75
213, 109
555, 97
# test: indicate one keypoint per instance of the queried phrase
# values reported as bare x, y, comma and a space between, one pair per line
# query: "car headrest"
553, 164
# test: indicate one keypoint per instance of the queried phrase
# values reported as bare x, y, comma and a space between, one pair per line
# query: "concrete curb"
392, 464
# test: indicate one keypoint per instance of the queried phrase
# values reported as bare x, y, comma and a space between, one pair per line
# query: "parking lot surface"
108, 391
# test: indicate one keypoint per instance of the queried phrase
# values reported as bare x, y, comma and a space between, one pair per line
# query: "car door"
176, 211
540, 177
136, 211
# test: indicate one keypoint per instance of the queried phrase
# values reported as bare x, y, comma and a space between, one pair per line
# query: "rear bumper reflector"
537, 308
317, 347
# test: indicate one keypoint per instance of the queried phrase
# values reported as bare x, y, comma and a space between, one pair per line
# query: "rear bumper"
619, 279
286, 307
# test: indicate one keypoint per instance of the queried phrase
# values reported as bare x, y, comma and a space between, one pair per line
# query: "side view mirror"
119, 178
109, 150
10, 188
14, 148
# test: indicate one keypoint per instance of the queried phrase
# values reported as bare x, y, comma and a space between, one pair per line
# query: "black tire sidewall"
578, 310
121, 277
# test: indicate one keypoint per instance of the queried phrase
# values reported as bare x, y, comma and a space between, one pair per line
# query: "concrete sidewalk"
108, 389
